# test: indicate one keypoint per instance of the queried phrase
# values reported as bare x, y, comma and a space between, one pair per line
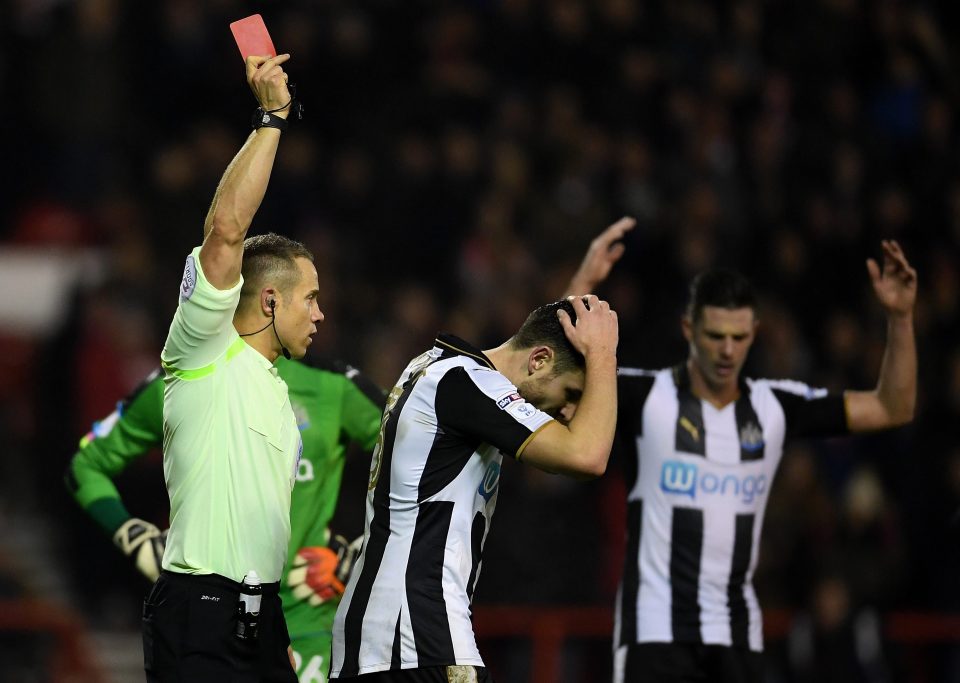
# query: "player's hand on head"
604, 252
895, 281
143, 542
596, 330
268, 81
320, 573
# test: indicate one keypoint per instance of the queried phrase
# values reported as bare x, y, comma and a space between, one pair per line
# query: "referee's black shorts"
688, 663
189, 633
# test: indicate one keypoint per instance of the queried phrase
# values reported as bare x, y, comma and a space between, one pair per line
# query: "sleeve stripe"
526, 441
199, 373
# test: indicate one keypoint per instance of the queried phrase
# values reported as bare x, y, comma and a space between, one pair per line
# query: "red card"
252, 37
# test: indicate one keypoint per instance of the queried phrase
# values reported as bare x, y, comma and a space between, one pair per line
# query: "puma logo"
690, 427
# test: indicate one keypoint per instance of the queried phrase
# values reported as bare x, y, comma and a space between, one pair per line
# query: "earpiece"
272, 303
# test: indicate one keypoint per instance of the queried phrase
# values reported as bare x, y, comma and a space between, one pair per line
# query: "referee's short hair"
271, 259
542, 328
721, 288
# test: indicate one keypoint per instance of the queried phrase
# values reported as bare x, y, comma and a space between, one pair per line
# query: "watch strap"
264, 119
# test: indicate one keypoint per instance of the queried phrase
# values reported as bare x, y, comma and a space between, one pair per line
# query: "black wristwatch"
264, 119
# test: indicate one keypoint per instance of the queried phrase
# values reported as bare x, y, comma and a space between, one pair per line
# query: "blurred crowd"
455, 160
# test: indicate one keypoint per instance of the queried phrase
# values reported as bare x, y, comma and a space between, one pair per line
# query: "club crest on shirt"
751, 437
189, 282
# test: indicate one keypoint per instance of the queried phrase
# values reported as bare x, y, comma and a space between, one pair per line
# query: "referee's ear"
269, 300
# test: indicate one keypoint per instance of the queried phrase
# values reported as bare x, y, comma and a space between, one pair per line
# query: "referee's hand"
268, 81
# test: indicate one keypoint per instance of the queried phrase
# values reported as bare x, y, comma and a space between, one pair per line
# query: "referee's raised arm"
244, 183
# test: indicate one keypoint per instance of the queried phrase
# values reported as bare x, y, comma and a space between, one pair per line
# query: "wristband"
264, 119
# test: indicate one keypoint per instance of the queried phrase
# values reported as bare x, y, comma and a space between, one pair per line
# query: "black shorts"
689, 663
189, 633
429, 674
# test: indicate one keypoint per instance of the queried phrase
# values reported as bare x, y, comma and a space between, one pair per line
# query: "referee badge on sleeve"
189, 282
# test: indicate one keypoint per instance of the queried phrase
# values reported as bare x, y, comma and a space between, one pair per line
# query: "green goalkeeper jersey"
333, 406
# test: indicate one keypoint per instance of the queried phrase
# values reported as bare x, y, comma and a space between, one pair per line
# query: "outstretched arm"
244, 183
893, 400
604, 251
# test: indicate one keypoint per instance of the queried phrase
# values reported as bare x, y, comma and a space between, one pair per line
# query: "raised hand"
895, 284
268, 81
604, 251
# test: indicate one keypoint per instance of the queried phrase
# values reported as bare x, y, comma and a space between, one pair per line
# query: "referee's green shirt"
230, 441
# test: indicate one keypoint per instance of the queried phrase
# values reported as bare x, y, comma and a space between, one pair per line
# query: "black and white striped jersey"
698, 481
433, 488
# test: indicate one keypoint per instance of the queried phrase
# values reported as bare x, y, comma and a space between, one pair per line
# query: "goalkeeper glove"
321, 573
144, 543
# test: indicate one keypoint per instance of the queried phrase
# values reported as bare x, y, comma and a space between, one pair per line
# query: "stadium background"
454, 163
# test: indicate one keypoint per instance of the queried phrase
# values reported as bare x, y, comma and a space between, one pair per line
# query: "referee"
230, 439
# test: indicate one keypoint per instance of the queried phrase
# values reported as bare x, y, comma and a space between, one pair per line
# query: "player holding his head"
546, 396
701, 445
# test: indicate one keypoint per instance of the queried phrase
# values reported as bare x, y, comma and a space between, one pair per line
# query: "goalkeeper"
334, 406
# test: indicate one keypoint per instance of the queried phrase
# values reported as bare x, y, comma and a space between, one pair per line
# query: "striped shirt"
433, 488
698, 481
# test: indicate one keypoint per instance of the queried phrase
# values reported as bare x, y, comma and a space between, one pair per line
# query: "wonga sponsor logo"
685, 479
491, 479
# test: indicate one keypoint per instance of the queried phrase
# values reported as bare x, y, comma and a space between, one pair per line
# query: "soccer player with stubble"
230, 440
547, 397
701, 444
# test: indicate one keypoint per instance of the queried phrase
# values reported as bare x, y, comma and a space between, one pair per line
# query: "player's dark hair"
722, 288
270, 259
542, 328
